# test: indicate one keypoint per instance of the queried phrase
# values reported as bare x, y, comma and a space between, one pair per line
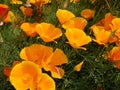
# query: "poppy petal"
56, 72
78, 66
25, 75
77, 37
77, 22
48, 32
46, 83
58, 57
29, 28
64, 15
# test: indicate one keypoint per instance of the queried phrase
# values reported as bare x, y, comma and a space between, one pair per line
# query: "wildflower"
77, 38
45, 58
114, 54
52, 64
74, 1
48, 32
39, 1
88, 13
5, 14
64, 15
25, 75
76, 22
29, 28
101, 36
78, 66
36, 53
28, 12
16, 2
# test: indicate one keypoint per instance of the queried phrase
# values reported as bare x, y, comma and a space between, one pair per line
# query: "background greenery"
96, 73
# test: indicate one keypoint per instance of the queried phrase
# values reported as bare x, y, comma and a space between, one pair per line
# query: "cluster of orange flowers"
28, 73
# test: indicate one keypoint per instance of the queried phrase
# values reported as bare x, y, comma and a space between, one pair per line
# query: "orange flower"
56, 59
116, 26
64, 15
36, 53
114, 54
101, 36
48, 32
78, 66
3, 11
38, 1
28, 12
77, 38
45, 58
77, 22
46, 83
25, 75
29, 28
74, 1
88, 13
106, 22
10, 17
16, 2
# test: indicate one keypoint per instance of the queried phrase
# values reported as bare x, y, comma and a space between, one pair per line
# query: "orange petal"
58, 57
36, 53
10, 17
64, 15
88, 13
77, 37
108, 20
99, 33
48, 32
77, 22
56, 72
29, 29
114, 54
7, 71
3, 11
25, 75
46, 83
78, 66
16, 2
28, 12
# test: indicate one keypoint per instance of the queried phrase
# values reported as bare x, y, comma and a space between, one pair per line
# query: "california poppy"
16, 2
64, 15
87, 13
114, 54
52, 64
45, 58
99, 32
74, 1
28, 12
76, 22
29, 28
115, 26
25, 75
3, 11
77, 38
48, 32
36, 53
